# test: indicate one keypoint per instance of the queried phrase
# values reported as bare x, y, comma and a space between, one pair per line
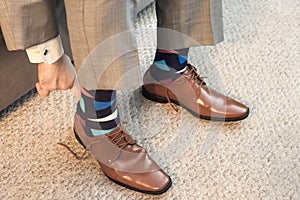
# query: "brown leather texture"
191, 92
124, 161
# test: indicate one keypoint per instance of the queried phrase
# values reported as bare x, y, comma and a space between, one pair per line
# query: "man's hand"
57, 76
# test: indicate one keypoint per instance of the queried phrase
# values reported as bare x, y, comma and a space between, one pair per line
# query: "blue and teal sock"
169, 64
97, 111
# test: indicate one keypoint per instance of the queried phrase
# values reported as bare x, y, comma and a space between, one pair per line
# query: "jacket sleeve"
27, 23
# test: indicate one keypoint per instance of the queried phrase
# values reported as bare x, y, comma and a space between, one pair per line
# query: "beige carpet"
258, 158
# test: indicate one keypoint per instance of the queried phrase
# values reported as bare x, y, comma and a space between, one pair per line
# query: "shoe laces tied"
195, 76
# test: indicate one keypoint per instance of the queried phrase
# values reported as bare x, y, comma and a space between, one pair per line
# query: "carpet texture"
258, 158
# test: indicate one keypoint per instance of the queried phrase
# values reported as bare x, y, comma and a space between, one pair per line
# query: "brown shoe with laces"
123, 160
191, 92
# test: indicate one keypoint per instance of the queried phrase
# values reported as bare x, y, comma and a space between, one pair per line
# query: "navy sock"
168, 64
98, 112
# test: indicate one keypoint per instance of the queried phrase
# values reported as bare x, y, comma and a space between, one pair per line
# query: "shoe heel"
78, 139
153, 97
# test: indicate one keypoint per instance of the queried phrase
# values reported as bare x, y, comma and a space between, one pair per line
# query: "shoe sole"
128, 186
164, 100
142, 191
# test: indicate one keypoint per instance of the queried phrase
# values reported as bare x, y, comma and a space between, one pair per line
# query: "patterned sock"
168, 64
97, 111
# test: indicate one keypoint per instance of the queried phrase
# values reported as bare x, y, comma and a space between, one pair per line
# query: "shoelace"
194, 76
170, 103
119, 138
82, 157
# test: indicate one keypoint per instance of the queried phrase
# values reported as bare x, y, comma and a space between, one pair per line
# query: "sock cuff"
99, 95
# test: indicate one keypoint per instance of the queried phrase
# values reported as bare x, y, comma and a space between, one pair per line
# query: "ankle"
169, 64
99, 110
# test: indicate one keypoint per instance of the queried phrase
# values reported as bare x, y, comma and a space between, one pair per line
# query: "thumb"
40, 90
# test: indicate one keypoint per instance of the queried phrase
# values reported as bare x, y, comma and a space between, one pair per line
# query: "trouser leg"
103, 43
186, 23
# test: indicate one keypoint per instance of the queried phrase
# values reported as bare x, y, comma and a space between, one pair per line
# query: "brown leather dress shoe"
191, 92
123, 160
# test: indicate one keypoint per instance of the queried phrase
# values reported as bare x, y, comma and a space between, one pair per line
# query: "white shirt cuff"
48, 52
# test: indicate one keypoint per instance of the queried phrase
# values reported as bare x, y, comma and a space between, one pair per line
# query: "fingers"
57, 76
40, 90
